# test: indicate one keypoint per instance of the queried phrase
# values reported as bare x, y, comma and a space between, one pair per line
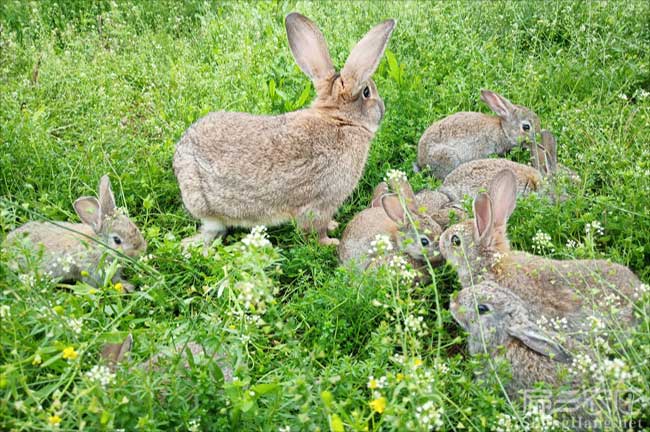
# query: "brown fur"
466, 136
237, 169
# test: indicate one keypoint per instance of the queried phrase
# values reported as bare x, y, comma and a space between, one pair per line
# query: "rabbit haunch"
238, 169
479, 250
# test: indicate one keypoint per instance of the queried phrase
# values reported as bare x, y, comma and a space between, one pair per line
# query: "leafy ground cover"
88, 88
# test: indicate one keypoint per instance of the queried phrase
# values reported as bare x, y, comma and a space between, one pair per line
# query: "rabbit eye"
425, 241
525, 126
455, 240
117, 240
366, 92
482, 309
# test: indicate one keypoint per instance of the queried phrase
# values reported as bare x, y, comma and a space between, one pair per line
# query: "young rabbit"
439, 207
499, 323
466, 136
408, 230
70, 249
238, 169
479, 250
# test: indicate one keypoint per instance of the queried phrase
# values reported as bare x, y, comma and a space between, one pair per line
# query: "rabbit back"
459, 138
473, 176
269, 173
359, 234
67, 247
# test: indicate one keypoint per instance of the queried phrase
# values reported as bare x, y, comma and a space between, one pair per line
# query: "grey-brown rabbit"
410, 232
238, 169
466, 136
479, 250
73, 251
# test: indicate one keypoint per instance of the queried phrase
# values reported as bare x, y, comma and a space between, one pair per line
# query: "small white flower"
374, 384
542, 242
258, 238
101, 374
429, 416
395, 176
643, 94
622, 96
380, 245
5, 311
194, 425
284, 429
594, 227
75, 324
505, 423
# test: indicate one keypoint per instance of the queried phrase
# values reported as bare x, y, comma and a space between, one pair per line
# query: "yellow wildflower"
418, 362
69, 353
378, 405
372, 384
336, 424
37, 359
119, 287
54, 420
399, 377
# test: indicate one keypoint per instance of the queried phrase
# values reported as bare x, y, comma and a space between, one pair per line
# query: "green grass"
88, 88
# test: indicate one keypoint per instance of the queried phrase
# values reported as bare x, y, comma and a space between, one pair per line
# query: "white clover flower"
75, 324
395, 175
429, 416
416, 324
643, 94
258, 238
594, 227
374, 384
101, 374
380, 245
542, 242
505, 423
538, 419
194, 425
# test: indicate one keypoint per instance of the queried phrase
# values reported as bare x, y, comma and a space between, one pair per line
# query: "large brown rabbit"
239, 169
479, 250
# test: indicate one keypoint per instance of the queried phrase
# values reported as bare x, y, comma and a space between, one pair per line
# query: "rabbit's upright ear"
106, 198
393, 208
380, 190
503, 192
483, 219
308, 47
365, 57
550, 148
404, 189
534, 338
497, 103
88, 210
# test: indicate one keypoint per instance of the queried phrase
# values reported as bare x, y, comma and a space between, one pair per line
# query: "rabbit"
70, 249
439, 207
500, 323
479, 250
409, 231
115, 354
466, 136
239, 169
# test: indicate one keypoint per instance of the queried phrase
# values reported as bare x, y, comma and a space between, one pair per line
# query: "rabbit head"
479, 243
418, 233
352, 91
111, 226
519, 124
494, 317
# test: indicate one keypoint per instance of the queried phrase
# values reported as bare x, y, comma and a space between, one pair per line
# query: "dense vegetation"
88, 88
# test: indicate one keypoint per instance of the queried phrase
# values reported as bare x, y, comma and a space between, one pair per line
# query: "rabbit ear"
503, 192
483, 218
365, 56
380, 190
87, 208
550, 147
116, 353
393, 208
497, 103
534, 338
308, 47
403, 187
106, 198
